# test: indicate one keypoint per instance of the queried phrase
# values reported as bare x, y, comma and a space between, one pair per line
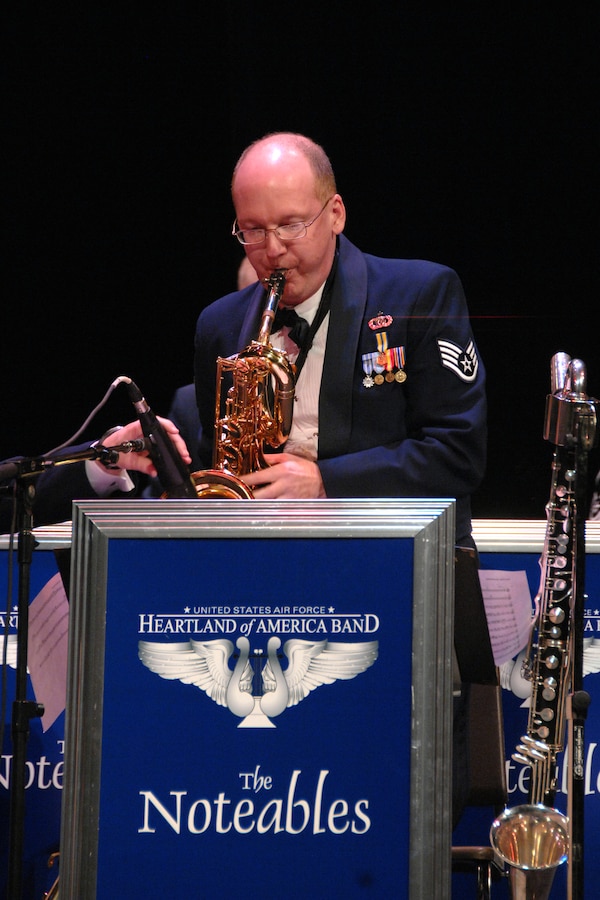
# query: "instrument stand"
579, 699
24, 472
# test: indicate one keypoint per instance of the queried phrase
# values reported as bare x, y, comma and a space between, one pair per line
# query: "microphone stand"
23, 710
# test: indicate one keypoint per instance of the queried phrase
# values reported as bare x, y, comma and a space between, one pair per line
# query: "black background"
464, 134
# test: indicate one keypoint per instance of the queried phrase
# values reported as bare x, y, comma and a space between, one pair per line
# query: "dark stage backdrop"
461, 135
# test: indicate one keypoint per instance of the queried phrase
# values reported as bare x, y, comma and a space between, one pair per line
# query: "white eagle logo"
511, 677
257, 696
10, 651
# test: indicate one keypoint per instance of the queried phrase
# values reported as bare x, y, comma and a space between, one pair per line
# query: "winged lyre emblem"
511, 678
10, 649
254, 689
591, 656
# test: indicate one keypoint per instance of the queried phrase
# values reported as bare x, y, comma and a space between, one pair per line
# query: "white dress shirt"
304, 435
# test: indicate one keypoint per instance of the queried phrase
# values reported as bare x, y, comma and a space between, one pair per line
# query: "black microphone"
173, 473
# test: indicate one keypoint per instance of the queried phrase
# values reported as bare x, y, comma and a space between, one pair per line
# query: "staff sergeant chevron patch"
463, 363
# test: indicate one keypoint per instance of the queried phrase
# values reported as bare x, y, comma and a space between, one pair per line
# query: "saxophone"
258, 408
533, 839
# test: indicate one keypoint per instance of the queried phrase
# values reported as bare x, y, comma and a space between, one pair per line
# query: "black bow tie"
299, 327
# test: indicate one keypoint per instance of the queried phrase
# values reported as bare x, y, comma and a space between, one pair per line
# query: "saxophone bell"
532, 840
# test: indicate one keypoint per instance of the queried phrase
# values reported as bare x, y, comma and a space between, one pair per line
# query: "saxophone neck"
276, 285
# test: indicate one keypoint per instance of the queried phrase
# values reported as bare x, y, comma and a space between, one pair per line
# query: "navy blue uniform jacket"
424, 437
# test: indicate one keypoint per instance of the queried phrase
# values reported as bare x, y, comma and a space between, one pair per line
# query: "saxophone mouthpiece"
276, 273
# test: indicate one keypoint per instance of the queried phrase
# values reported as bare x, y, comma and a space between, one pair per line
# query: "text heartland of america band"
276, 623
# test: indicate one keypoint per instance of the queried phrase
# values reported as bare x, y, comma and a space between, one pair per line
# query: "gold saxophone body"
533, 839
258, 408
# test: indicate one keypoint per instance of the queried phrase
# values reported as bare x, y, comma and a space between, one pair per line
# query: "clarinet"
534, 838
549, 657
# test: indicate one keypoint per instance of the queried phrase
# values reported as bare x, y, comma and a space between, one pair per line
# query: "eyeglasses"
291, 232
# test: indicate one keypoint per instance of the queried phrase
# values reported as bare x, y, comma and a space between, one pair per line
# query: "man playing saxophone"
390, 391
389, 395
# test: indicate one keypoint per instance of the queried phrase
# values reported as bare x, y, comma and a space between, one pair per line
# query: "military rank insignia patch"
463, 362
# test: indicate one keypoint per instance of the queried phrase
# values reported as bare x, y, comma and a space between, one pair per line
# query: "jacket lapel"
348, 302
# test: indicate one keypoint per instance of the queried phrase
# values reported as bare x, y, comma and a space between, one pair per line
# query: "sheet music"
47, 648
508, 608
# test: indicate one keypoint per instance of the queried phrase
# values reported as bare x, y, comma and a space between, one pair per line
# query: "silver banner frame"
430, 525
